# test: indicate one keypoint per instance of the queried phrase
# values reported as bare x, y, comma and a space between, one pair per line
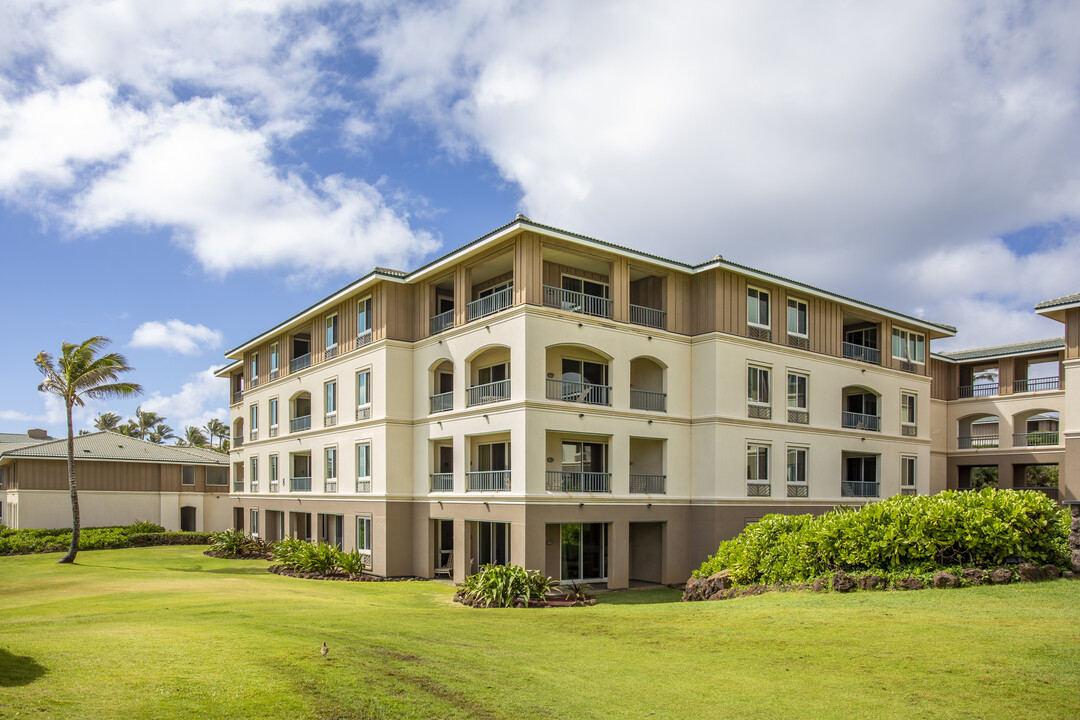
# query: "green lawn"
167, 632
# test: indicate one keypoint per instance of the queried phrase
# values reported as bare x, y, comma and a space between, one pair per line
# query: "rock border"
550, 601
252, 555
341, 577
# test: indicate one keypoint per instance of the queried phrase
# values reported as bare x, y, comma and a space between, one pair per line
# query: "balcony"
648, 484
273, 486
488, 481
442, 482
909, 430
977, 391
254, 486
442, 321
299, 363
330, 485
363, 485
253, 435
237, 396
577, 302
647, 316
300, 484
489, 392
237, 442
858, 488
363, 339
273, 375
253, 383
859, 421
491, 304
1036, 385
273, 431
977, 442
563, 481
238, 486
581, 392
330, 352
648, 400
862, 353
1035, 439
300, 423
442, 402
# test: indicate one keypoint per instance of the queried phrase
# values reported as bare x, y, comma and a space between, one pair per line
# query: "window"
275, 360
495, 288
187, 475
363, 467
273, 473
254, 516
757, 307
796, 317
907, 471
492, 373
331, 333
330, 401
330, 469
908, 409
363, 394
254, 474
363, 317
493, 457
797, 386
907, 345
757, 463
254, 368
796, 464
363, 533
757, 385
583, 286
273, 413
217, 476
254, 422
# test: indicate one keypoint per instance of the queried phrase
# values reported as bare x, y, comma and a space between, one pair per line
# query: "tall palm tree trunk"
69, 556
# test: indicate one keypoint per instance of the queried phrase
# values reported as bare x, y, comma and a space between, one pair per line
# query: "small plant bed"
514, 586
235, 545
138, 534
293, 572
316, 561
947, 540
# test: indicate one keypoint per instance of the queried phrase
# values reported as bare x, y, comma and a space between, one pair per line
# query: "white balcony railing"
858, 488
299, 363
442, 321
651, 484
1035, 439
300, 484
488, 481
363, 485
330, 485
574, 481
363, 412
862, 353
442, 482
647, 316
582, 392
860, 421
330, 419
299, 424
489, 392
490, 304
577, 302
442, 402
648, 400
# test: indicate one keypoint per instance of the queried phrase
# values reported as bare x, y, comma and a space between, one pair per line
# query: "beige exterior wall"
52, 509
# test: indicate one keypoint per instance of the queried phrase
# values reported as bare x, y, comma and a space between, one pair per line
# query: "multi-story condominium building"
573, 406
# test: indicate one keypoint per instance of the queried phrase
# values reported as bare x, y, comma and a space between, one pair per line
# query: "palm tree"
107, 421
144, 422
216, 428
194, 437
161, 433
127, 429
81, 373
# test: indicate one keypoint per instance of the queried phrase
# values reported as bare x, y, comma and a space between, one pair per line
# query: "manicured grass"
167, 632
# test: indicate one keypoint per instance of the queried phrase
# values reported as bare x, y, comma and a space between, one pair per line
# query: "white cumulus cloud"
176, 336
202, 398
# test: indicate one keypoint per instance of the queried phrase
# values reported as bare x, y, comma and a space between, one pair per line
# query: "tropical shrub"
321, 558
900, 534
500, 585
18, 542
234, 543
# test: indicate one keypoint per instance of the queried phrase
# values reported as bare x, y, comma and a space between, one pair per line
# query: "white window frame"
367, 387
253, 478
363, 534
253, 418
332, 322
757, 448
360, 330
757, 303
806, 317
806, 391
330, 398
274, 468
253, 520
906, 338
330, 465
367, 460
796, 449
273, 409
909, 467
759, 370
914, 416
255, 366
275, 358
582, 281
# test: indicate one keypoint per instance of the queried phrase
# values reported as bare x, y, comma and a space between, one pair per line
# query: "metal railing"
908, 491
573, 481
798, 490
330, 419
363, 339
758, 489
442, 402
237, 442
1036, 384
909, 430
859, 421
254, 486
299, 363
976, 442
237, 396
980, 390
487, 481
330, 485
491, 304
577, 302
273, 376
647, 316
238, 486
648, 400
442, 321
253, 383
801, 417
273, 430
858, 488
300, 423
442, 482
489, 392
300, 484
582, 392
759, 412
1035, 439
862, 353
1051, 492
273, 486
651, 484
330, 352
363, 485
253, 435
363, 412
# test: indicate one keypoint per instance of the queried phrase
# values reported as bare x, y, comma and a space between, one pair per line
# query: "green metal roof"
1021, 348
107, 445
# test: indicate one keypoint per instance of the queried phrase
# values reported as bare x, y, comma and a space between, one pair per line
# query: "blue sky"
181, 176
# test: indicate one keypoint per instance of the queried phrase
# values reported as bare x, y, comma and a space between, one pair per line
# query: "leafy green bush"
18, 542
351, 563
145, 526
500, 585
320, 558
900, 534
234, 543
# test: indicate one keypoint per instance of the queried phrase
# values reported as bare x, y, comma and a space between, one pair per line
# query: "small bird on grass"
324, 649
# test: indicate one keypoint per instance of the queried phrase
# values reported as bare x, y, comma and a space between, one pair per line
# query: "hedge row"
139, 534
902, 534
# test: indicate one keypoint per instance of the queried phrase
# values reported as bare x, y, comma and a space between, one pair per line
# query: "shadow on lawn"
18, 670
236, 570
652, 596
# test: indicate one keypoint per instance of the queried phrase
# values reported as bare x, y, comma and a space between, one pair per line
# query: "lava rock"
1030, 572
751, 590
1052, 571
871, 582
973, 576
818, 585
842, 582
910, 583
1069, 575
1001, 576
944, 579
1076, 561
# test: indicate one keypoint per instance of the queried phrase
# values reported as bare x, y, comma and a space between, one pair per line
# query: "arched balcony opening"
489, 376
441, 392
862, 409
1036, 428
300, 412
647, 385
977, 432
238, 433
577, 373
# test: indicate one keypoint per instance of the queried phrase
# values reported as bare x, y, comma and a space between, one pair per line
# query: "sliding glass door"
583, 551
